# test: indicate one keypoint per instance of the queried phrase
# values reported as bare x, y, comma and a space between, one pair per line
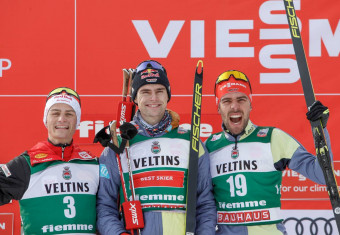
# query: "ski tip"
200, 62
199, 68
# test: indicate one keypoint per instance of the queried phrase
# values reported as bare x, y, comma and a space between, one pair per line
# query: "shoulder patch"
216, 137
103, 171
85, 155
6, 170
181, 130
263, 132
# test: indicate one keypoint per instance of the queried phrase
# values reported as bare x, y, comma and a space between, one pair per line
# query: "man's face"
61, 123
152, 100
235, 108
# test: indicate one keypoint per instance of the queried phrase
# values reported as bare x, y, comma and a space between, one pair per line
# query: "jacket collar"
45, 151
245, 133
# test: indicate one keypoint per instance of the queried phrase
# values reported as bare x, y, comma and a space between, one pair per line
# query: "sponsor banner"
63, 179
159, 179
248, 217
6, 223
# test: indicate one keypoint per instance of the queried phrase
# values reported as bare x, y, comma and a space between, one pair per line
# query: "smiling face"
61, 123
235, 108
152, 100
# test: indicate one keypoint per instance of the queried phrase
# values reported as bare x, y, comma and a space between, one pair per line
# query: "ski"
194, 150
320, 142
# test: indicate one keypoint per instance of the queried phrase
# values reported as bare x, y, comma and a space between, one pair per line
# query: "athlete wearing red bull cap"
159, 154
246, 161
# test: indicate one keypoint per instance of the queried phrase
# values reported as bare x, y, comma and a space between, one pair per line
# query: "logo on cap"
149, 73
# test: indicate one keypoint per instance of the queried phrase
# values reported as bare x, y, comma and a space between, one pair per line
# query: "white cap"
63, 98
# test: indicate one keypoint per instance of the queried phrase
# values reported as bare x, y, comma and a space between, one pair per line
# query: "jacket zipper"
62, 152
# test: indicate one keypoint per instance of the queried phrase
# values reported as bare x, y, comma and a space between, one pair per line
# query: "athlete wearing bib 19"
246, 162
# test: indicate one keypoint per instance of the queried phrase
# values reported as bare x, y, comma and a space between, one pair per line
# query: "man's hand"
318, 111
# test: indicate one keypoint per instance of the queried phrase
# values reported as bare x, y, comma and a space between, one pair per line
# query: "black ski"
194, 150
320, 142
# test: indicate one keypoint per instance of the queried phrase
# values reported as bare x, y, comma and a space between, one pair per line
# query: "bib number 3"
71, 211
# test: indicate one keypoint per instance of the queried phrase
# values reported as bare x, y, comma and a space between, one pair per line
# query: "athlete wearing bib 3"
246, 162
159, 156
55, 181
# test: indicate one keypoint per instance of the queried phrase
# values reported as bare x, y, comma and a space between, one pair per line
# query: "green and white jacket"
159, 167
247, 173
56, 188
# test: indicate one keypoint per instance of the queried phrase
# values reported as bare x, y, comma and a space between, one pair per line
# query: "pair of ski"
322, 150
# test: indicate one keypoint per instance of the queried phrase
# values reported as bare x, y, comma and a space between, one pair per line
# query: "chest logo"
155, 147
67, 173
234, 153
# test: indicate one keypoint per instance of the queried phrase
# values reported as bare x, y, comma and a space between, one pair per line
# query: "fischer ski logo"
292, 19
196, 117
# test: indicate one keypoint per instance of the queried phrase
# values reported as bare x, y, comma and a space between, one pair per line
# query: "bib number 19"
238, 185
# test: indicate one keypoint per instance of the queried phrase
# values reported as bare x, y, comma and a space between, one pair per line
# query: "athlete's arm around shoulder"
14, 179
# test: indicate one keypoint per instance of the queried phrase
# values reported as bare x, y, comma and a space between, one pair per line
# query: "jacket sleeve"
14, 179
206, 208
288, 152
307, 164
108, 221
